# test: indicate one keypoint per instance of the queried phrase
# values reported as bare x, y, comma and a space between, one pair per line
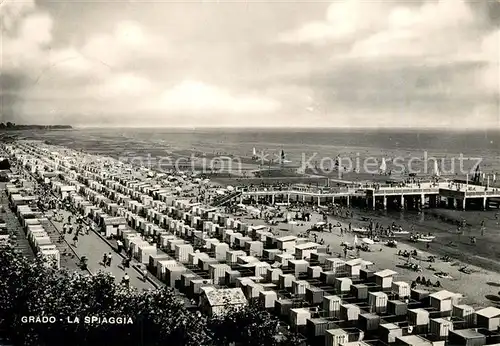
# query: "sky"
343, 63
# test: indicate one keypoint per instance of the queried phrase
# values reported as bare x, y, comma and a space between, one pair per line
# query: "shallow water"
317, 147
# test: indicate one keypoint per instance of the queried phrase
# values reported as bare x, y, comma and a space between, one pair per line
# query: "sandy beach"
483, 254
480, 288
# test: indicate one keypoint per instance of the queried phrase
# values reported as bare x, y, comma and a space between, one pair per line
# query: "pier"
410, 196
414, 195
467, 195
300, 195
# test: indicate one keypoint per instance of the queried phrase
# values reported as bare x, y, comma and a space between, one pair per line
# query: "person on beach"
104, 259
75, 240
109, 257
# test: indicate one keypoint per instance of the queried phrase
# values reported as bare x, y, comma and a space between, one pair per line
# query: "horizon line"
209, 127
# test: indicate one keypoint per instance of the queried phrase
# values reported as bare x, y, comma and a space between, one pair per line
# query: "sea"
314, 147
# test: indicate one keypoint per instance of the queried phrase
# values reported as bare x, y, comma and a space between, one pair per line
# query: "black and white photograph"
250, 173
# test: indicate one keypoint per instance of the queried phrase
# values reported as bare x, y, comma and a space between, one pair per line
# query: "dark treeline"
12, 126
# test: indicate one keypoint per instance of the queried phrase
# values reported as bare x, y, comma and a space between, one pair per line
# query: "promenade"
94, 247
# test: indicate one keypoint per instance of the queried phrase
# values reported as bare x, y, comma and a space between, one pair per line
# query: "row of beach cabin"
34, 224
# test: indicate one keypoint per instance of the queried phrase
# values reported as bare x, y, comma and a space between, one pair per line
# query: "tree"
250, 326
2, 126
10, 125
30, 288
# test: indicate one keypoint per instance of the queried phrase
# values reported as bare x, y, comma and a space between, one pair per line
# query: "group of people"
106, 259
69, 228
426, 282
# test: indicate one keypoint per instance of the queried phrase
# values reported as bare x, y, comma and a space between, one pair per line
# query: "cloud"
376, 29
442, 29
102, 75
353, 62
426, 58
25, 32
126, 85
12, 11
192, 96
343, 20
489, 76
128, 42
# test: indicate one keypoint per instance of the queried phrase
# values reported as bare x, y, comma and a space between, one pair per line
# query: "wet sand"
483, 254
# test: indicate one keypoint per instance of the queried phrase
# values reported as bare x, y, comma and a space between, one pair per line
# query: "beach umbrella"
178, 188
230, 188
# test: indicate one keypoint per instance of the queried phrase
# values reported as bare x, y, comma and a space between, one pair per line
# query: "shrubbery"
30, 288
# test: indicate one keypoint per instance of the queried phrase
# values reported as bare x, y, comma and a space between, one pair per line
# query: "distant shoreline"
35, 127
